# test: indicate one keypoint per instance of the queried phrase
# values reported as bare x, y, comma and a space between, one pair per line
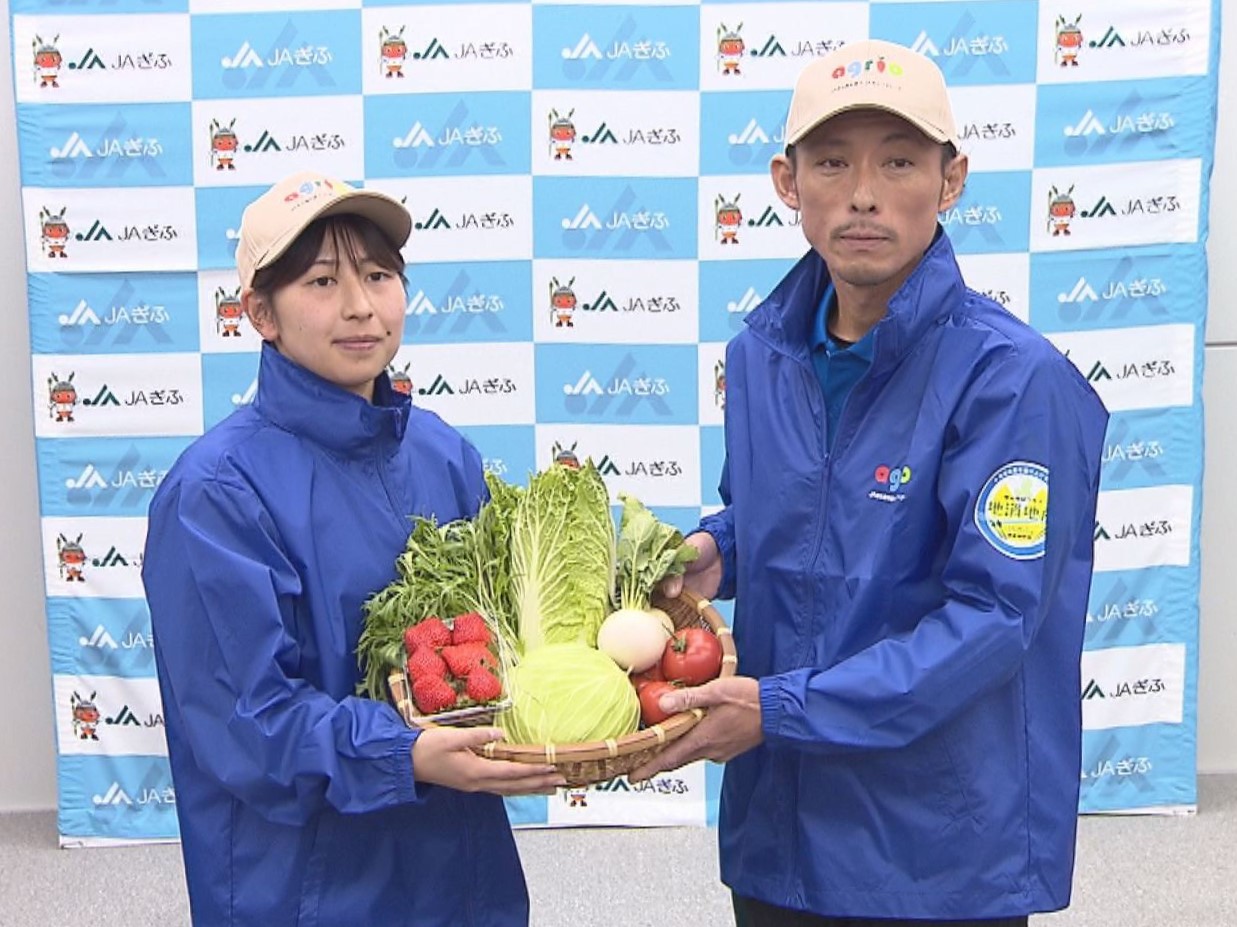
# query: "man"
904, 737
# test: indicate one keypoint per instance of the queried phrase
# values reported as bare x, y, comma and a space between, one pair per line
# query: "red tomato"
650, 694
652, 674
693, 657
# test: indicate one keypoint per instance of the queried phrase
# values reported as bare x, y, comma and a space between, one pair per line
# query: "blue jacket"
915, 625
297, 801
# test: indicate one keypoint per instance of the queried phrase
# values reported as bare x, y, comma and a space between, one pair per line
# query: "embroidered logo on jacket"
889, 483
1012, 510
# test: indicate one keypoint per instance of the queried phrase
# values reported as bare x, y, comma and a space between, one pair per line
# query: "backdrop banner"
594, 219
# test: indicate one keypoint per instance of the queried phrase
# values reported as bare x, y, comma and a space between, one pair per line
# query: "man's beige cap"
272, 222
872, 74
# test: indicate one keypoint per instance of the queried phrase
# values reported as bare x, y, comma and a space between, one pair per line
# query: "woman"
298, 802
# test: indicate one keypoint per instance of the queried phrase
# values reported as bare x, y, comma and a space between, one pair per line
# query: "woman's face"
342, 321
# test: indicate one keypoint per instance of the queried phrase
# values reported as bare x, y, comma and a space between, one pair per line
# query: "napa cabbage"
562, 557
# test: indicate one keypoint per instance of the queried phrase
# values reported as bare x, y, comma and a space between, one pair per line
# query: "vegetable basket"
596, 761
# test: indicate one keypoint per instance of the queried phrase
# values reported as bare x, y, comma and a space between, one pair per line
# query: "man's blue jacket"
298, 802
913, 604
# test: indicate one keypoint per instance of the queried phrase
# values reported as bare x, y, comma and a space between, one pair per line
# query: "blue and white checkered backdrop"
567, 167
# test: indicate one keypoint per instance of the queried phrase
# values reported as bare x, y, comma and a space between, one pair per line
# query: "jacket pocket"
956, 793
315, 870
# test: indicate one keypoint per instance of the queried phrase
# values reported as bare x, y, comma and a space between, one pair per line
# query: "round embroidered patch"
1012, 510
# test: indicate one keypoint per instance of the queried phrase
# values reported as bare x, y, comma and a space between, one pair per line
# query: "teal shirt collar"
820, 331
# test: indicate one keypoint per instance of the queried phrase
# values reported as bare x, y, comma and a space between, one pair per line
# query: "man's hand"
443, 756
731, 727
703, 575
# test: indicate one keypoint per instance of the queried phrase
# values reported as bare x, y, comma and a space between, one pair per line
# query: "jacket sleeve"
900, 688
720, 525
222, 596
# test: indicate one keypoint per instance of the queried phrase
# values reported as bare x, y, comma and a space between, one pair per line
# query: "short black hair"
355, 237
949, 151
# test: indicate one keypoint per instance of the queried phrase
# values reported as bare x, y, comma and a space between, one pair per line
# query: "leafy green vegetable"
437, 574
648, 551
569, 693
562, 557
493, 526
444, 570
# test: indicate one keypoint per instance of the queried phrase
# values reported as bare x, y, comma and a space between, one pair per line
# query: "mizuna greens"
435, 575
461, 566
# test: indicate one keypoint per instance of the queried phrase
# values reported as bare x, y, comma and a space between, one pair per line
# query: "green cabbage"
567, 694
562, 557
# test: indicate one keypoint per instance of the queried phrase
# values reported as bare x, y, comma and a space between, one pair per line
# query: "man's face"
868, 186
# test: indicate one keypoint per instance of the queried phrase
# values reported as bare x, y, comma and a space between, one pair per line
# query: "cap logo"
309, 188
856, 68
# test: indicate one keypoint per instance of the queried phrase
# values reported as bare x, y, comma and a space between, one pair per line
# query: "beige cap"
872, 74
272, 222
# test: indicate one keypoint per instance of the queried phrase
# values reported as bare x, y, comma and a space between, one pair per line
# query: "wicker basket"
596, 761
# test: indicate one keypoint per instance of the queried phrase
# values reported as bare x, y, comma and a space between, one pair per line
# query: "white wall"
27, 759
1217, 686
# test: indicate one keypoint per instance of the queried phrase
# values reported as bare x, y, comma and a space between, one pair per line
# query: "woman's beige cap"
274, 220
872, 74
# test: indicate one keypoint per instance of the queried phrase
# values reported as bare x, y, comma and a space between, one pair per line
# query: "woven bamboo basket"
602, 760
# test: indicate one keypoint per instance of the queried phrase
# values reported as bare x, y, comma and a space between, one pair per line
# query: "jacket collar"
296, 400
933, 290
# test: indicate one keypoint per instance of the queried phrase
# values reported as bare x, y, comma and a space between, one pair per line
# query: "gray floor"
1132, 872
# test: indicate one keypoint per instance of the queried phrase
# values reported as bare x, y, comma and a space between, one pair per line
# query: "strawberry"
482, 685
425, 662
470, 628
431, 631
433, 695
463, 658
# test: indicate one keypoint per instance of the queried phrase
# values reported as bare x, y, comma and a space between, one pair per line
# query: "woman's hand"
444, 756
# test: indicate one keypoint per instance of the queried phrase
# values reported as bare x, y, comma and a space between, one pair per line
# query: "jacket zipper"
826, 478
380, 467
821, 421
790, 771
